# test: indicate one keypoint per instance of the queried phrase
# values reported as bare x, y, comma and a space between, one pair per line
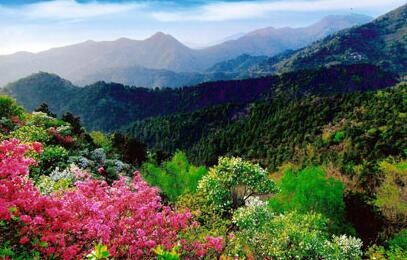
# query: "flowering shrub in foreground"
129, 219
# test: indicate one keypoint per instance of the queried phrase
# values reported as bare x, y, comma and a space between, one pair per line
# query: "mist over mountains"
161, 60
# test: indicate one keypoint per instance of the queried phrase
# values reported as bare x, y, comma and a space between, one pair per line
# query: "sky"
37, 25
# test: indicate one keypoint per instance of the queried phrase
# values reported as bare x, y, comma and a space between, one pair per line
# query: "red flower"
128, 218
24, 240
37, 147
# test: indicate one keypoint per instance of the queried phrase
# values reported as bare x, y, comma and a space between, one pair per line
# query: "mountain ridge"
160, 51
109, 106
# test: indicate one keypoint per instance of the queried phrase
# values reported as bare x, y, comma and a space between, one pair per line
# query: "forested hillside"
382, 42
351, 134
109, 106
335, 178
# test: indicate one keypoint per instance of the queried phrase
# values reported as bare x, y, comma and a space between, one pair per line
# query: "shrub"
339, 136
265, 234
9, 108
128, 218
30, 134
43, 120
233, 181
51, 158
101, 140
310, 190
391, 195
399, 240
174, 177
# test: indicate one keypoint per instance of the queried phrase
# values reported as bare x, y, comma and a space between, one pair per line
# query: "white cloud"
223, 11
68, 9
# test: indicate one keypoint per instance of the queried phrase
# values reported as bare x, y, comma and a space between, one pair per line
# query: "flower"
37, 147
24, 240
128, 218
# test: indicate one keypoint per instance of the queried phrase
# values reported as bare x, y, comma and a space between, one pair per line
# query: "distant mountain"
271, 41
240, 65
74, 62
108, 107
382, 42
83, 63
152, 78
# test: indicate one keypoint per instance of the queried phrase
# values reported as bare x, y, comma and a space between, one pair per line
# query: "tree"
175, 177
232, 182
391, 196
132, 150
9, 108
75, 122
267, 235
45, 109
310, 190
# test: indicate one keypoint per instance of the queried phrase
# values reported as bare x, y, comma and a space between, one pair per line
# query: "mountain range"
110, 106
161, 60
382, 42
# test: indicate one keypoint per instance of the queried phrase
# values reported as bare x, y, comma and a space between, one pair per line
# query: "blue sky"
32, 25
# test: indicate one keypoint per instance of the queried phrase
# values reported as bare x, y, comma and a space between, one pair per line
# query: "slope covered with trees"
109, 106
350, 134
382, 42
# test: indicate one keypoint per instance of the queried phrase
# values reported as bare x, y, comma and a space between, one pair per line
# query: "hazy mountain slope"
110, 106
152, 78
382, 42
240, 64
121, 59
271, 41
76, 61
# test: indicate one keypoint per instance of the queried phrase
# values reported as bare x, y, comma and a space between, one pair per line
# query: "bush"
128, 218
10, 109
399, 240
51, 158
310, 190
174, 177
264, 234
101, 140
30, 134
232, 182
391, 195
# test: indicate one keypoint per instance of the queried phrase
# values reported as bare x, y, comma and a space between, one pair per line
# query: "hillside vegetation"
109, 106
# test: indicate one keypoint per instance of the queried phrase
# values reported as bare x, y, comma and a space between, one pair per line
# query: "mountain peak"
160, 36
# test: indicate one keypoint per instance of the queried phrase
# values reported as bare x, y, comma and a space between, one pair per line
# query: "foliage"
288, 236
212, 223
30, 134
44, 120
128, 218
233, 181
381, 253
391, 195
162, 254
110, 106
52, 157
10, 114
399, 240
174, 177
130, 149
9, 108
102, 140
46, 185
44, 108
100, 252
310, 190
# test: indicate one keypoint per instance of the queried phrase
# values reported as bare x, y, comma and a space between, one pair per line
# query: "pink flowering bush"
128, 218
